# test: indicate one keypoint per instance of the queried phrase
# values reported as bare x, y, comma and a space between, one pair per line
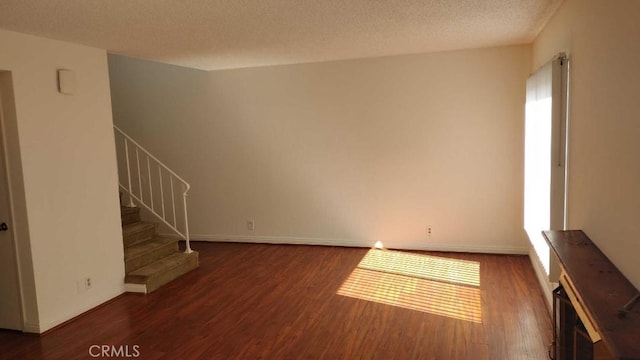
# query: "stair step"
137, 232
129, 215
162, 271
142, 254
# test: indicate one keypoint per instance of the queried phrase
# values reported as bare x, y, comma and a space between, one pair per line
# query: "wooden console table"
599, 291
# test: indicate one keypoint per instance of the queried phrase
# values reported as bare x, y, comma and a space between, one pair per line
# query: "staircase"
150, 260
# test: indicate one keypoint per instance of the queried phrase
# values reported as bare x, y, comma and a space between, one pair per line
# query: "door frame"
7, 101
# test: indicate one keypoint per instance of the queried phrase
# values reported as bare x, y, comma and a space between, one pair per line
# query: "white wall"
345, 152
602, 40
68, 164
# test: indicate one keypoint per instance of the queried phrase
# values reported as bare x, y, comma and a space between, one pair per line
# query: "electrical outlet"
429, 231
251, 225
84, 284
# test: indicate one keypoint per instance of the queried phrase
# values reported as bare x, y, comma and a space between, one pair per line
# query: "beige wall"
602, 40
345, 152
65, 147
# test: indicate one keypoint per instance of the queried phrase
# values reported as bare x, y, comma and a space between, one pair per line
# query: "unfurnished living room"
279, 179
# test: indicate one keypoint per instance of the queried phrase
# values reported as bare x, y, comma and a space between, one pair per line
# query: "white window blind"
545, 155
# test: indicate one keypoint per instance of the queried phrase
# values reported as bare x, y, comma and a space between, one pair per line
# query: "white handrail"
150, 205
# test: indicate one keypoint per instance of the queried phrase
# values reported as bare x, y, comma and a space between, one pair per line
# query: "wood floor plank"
258, 301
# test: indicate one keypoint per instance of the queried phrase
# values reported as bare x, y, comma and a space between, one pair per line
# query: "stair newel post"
186, 222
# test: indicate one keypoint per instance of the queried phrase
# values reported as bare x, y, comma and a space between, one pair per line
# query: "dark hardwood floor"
253, 301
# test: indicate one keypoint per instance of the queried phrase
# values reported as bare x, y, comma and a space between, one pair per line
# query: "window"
546, 155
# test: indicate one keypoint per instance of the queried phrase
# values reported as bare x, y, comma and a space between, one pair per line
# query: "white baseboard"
135, 288
31, 328
485, 249
481, 249
543, 279
282, 240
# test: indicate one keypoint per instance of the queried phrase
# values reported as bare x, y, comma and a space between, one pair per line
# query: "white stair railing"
140, 173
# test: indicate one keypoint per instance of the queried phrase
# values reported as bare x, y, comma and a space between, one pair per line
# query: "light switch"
66, 82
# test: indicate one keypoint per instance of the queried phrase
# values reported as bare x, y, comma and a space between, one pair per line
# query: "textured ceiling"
220, 34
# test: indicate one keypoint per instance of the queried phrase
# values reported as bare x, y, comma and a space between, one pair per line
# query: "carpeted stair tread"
129, 215
124, 210
150, 260
142, 248
137, 232
144, 253
138, 226
164, 270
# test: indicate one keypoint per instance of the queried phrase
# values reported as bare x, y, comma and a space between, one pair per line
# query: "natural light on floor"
432, 284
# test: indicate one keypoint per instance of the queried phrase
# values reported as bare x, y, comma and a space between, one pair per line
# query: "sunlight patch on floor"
436, 285
437, 268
